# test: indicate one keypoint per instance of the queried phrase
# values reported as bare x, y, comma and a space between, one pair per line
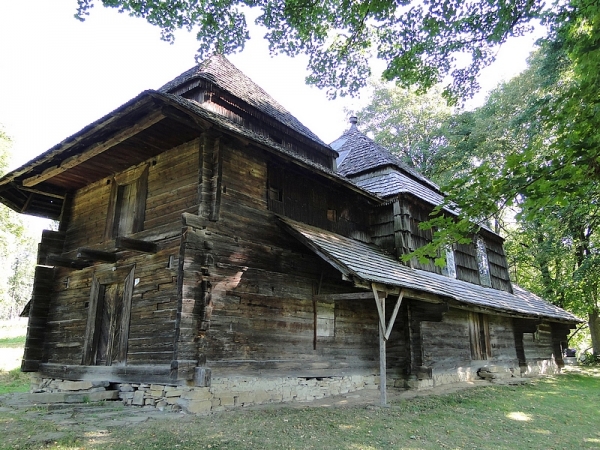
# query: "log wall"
446, 343
255, 312
172, 189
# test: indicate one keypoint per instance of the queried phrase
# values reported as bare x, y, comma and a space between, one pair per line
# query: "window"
127, 205
482, 261
326, 319
332, 215
479, 334
450, 268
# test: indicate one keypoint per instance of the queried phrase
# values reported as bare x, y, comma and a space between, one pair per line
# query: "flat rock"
47, 438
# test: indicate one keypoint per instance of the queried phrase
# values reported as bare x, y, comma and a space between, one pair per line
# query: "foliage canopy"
421, 42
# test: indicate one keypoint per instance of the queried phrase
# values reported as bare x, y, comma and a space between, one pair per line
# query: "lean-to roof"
368, 263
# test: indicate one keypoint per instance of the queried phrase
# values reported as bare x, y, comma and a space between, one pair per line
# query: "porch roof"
359, 261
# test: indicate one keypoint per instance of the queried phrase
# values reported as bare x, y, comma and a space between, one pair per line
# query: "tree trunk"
594, 323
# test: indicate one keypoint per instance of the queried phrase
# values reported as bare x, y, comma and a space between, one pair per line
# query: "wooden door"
109, 313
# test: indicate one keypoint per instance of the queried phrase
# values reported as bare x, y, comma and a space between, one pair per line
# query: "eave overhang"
146, 126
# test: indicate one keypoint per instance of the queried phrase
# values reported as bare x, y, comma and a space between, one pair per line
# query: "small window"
326, 319
450, 269
479, 334
127, 203
332, 215
482, 261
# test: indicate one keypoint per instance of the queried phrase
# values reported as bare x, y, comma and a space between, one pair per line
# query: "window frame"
137, 177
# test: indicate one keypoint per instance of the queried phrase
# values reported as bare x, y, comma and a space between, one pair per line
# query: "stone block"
199, 406
245, 398
103, 395
227, 400
138, 398
126, 388
174, 393
155, 393
161, 405
74, 385
157, 387
198, 394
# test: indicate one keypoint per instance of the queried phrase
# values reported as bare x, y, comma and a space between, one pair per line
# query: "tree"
538, 155
421, 41
17, 252
412, 126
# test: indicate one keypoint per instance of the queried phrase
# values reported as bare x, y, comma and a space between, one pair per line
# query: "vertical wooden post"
382, 359
380, 302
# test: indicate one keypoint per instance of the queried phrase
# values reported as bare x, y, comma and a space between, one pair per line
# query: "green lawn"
559, 412
12, 341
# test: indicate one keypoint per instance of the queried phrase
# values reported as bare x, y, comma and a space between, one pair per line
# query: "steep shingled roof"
222, 73
369, 263
359, 154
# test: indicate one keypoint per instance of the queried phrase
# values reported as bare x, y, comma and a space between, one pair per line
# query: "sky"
58, 74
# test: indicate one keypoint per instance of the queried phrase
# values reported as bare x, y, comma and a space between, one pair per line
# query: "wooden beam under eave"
89, 254
94, 150
61, 261
138, 245
348, 296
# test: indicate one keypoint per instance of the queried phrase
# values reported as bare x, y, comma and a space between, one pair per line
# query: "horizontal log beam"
159, 373
90, 254
348, 296
61, 261
138, 245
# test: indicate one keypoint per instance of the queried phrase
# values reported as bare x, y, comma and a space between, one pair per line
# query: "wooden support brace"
380, 302
124, 243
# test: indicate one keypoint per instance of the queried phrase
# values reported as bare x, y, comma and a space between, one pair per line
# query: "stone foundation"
224, 393
491, 372
233, 392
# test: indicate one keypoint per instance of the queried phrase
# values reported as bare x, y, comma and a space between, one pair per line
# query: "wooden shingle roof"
362, 154
368, 263
219, 71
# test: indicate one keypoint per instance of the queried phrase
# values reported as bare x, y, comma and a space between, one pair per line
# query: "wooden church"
207, 238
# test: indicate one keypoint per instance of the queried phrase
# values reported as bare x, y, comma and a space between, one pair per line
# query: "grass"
559, 412
13, 381
12, 341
